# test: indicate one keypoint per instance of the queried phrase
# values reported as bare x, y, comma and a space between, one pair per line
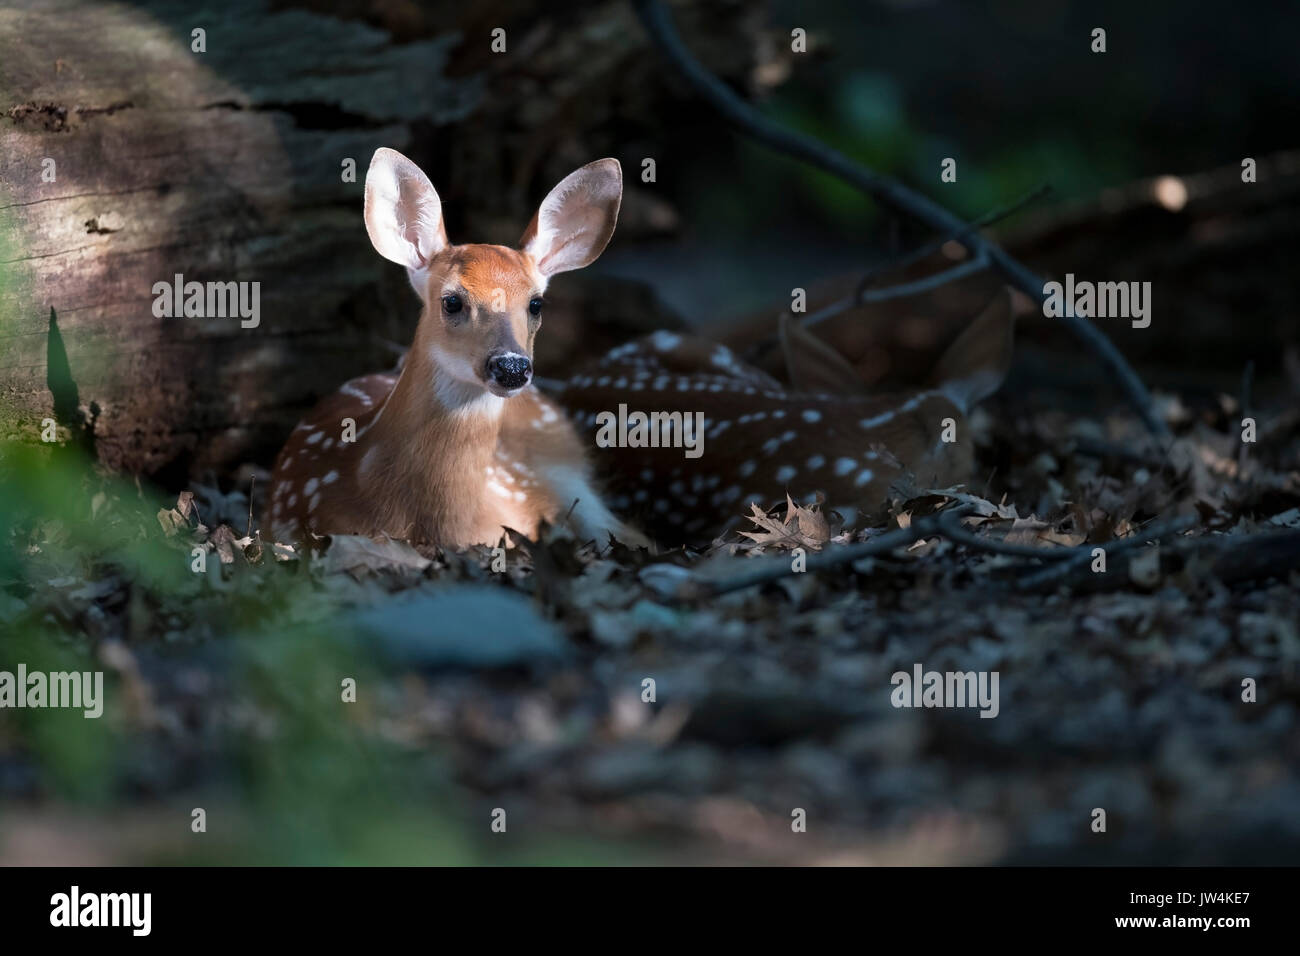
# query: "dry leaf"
171, 521
801, 528
223, 540
983, 507
1025, 531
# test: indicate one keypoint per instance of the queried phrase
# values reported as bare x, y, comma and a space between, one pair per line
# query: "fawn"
762, 439
458, 444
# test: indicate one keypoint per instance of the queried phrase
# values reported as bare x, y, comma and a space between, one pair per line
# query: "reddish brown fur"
763, 440
483, 269
418, 469
676, 498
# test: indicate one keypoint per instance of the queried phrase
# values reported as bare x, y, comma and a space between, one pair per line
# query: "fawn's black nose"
510, 370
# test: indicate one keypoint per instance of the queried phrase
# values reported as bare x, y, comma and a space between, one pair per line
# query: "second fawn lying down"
457, 445
761, 439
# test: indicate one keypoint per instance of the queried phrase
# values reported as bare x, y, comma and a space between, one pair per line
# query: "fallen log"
228, 143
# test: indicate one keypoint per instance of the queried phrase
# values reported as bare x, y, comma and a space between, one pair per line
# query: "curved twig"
919, 254
681, 584
1059, 573
863, 295
889, 192
950, 527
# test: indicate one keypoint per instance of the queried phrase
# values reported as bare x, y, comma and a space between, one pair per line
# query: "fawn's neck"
428, 451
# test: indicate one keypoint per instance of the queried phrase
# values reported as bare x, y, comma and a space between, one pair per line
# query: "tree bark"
224, 165
127, 158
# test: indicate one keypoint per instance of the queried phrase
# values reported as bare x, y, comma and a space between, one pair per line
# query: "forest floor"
617, 710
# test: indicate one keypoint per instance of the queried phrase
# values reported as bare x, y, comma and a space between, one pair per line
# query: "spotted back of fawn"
758, 439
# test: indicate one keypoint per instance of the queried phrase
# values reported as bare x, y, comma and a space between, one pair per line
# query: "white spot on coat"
665, 341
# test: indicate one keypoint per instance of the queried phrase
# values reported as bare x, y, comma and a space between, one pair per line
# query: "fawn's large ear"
403, 213
812, 365
576, 218
975, 365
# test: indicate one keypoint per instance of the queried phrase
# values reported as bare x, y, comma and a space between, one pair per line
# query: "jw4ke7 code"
1184, 898
1224, 898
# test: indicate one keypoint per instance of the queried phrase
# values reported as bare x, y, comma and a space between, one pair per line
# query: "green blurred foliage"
1010, 89
869, 122
287, 772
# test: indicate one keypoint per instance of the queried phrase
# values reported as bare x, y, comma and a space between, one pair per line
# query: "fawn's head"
483, 303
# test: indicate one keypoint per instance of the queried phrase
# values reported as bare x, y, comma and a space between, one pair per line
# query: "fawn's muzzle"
510, 370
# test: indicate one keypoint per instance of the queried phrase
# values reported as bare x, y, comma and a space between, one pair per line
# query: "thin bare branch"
919, 254
863, 296
676, 583
890, 193
950, 527
681, 584
1061, 573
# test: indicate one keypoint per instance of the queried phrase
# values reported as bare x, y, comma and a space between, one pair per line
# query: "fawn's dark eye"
451, 304
535, 306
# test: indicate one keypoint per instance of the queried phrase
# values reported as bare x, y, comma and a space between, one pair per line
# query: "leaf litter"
573, 683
